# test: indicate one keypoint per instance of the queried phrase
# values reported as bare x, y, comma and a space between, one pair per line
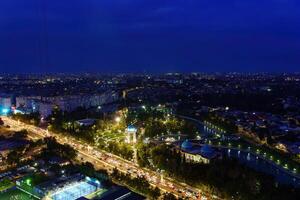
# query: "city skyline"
149, 36
149, 99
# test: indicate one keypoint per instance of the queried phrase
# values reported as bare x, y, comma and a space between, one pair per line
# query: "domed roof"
206, 149
186, 145
131, 128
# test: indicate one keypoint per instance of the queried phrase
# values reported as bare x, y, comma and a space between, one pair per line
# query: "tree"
1, 122
168, 196
66, 151
143, 155
87, 168
32, 118
154, 127
56, 118
62, 150
21, 134
155, 193
13, 157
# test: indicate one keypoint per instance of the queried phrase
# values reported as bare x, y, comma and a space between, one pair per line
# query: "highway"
108, 161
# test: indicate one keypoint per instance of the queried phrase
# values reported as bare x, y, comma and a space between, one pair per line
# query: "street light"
117, 119
28, 182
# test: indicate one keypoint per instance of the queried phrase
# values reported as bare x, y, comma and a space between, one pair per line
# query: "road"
103, 159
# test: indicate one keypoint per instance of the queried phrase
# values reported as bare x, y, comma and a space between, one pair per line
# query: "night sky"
149, 35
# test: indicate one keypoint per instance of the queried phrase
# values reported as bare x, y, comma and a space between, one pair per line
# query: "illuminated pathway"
102, 159
258, 153
262, 156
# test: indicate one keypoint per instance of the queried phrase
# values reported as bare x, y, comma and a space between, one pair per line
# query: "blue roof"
131, 127
186, 145
207, 151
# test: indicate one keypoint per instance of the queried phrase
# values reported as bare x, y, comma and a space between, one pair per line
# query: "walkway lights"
278, 162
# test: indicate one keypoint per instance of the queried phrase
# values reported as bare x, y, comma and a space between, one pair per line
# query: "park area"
107, 135
5, 184
15, 195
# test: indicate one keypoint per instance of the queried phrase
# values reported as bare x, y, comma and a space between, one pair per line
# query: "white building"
5, 102
45, 109
70, 103
44, 105
197, 154
131, 134
26, 101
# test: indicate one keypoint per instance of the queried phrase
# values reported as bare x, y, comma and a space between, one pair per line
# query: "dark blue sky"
149, 35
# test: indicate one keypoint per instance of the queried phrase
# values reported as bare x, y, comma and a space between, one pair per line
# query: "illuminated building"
131, 134
196, 153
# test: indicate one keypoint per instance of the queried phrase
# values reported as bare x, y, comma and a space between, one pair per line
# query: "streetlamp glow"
117, 119
5, 111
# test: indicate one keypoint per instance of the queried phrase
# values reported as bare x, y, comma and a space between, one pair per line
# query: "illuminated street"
109, 161
158, 100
